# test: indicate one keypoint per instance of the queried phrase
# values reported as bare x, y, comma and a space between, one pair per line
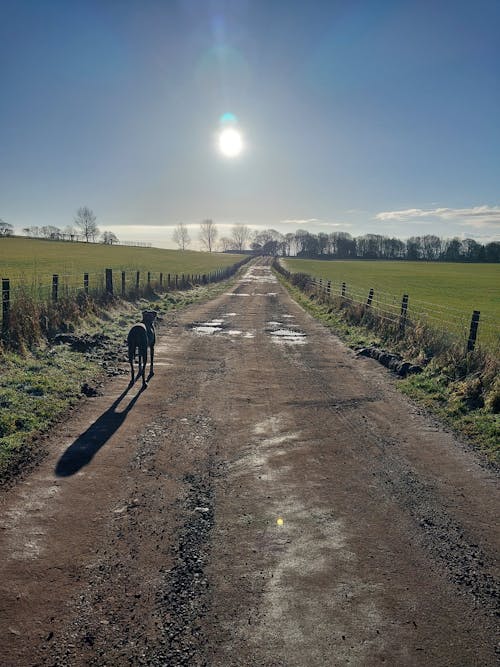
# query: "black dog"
141, 337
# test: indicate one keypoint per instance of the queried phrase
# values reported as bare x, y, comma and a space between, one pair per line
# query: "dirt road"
269, 500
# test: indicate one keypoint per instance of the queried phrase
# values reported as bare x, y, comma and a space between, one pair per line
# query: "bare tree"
208, 234
33, 231
6, 229
180, 235
50, 232
240, 235
86, 221
108, 238
70, 233
226, 244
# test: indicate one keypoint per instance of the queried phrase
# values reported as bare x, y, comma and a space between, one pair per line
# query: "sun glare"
230, 142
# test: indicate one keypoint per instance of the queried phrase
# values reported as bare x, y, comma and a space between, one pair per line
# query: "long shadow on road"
83, 449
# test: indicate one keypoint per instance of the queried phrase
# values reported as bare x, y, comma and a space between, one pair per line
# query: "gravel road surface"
269, 500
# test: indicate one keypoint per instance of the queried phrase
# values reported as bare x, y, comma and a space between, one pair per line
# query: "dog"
141, 337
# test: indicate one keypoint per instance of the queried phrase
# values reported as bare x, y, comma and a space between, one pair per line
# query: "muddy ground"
269, 500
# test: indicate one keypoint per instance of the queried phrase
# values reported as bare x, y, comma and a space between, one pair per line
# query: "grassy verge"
462, 390
39, 386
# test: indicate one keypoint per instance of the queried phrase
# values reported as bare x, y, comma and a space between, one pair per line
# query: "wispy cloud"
316, 222
476, 216
299, 221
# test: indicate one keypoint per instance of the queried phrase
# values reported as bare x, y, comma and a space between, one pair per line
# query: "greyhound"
141, 337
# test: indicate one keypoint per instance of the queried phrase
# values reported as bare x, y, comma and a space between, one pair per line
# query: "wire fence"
55, 288
404, 312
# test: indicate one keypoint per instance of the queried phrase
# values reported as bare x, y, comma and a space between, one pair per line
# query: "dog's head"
149, 316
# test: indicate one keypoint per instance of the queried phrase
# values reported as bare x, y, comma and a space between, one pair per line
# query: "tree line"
84, 229
341, 245
301, 243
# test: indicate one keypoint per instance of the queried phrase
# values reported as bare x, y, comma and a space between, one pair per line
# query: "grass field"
445, 293
35, 260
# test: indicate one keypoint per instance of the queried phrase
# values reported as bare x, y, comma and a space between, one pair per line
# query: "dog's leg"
131, 354
144, 363
151, 369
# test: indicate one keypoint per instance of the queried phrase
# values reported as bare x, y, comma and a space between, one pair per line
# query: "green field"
444, 293
35, 260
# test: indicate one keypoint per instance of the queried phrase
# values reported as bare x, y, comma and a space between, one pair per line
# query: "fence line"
126, 284
405, 311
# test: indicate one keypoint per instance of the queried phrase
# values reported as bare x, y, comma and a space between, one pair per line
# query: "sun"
230, 142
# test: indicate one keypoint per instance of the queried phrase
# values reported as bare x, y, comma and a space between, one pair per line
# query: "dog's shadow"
83, 449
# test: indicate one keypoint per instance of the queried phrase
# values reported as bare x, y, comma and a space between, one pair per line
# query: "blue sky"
374, 116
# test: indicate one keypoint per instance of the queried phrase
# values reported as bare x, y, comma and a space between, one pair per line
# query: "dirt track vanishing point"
269, 500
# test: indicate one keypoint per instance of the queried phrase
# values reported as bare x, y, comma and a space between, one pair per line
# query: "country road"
270, 500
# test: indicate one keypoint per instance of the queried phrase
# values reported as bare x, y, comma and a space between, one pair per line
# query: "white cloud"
476, 216
314, 222
299, 221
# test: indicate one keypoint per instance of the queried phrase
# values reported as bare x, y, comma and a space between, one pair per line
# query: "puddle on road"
258, 275
217, 326
208, 328
289, 336
286, 334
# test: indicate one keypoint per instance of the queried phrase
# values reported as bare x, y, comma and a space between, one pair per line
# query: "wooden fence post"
55, 287
329, 287
149, 279
137, 279
5, 306
402, 317
86, 283
474, 323
370, 298
168, 280
176, 281
109, 281
161, 279
123, 283
343, 289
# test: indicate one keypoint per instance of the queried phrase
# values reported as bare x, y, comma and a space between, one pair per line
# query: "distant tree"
492, 252
33, 231
6, 229
70, 233
343, 245
413, 248
288, 243
240, 235
268, 242
225, 244
208, 234
322, 243
180, 235
50, 232
108, 238
472, 250
85, 220
452, 251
